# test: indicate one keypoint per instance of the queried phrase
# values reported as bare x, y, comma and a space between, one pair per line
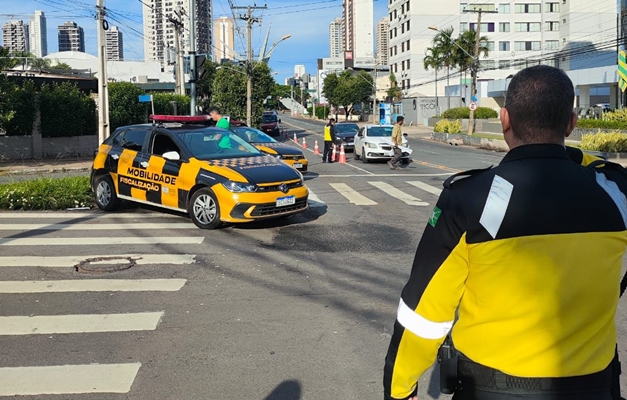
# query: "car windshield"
252, 135
267, 118
345, 128
215, 143
380, 131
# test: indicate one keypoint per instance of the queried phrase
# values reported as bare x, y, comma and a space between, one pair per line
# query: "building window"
485, 27
503, 46
504, 8
408, 64
528, 8
527, 46
527, 27
407, 5
552, 63
551, 26
489, 45
464, 6
552, 7
486, 64
484, 7
504, 64
463, 27
552, 45
503, 26
408, 21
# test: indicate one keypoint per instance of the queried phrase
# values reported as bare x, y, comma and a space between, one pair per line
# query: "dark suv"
345, 134
270, 123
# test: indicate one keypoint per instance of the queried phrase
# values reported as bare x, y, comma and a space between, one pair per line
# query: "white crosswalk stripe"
426, 187
399, 194
106, 233
351, 195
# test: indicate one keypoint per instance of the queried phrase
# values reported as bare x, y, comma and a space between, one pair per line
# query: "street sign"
472, 106
473, 98
622, 70
145, 98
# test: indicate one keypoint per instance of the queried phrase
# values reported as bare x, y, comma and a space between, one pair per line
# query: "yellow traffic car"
284, 152
211, 173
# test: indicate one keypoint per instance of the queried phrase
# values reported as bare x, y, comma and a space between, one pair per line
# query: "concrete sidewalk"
45, 166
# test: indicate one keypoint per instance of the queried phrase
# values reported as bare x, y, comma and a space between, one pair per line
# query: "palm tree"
433, 60
445, 45
40, 63
465, 48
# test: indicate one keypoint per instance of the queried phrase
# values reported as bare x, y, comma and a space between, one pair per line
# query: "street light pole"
192, 58
375, 112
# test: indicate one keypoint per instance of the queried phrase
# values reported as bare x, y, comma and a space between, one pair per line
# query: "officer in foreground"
529, 254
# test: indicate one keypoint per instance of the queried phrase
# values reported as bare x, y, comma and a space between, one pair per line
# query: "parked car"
284, 152
270, 123
345, 133
374, 142
178, 163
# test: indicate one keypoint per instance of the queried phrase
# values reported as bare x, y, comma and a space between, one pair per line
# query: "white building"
577, 34
159, 31
299, 71
38, 36
71, 37
382, 36
115, 44
336, 38
15, 36
224, 34
358, 18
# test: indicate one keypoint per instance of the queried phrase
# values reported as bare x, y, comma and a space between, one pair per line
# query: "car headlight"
371, 145
239, 187
406, 144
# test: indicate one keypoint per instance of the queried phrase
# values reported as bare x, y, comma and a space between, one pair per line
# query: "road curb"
44, 170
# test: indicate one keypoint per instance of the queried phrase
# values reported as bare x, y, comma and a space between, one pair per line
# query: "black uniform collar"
536, 151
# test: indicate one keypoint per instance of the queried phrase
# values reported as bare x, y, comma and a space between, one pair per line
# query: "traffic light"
200, 61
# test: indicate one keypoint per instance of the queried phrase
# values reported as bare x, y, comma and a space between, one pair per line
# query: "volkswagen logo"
283, 187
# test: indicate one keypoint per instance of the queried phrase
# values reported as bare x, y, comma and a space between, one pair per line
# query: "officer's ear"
505, 122
571, 124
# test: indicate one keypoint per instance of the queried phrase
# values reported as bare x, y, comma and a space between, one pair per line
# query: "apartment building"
224, 33
358, 20
382, 36
115, 44
38, 36
336, 38
71, 37
159, 31
15, 36
568, 34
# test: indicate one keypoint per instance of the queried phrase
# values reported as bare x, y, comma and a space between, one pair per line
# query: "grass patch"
46, 194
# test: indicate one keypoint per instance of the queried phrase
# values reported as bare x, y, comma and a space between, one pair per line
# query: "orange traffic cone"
342, 155
295, 138
333, 154
316, 149
304, 144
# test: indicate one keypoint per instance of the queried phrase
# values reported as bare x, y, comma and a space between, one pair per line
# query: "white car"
374, 142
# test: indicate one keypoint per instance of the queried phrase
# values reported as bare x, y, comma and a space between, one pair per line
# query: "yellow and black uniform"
329, 135
529, 253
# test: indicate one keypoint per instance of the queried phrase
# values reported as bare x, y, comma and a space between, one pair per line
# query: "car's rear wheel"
355, 155
105, 196
364, 159
204, 209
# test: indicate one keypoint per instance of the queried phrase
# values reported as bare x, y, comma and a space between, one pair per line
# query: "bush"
46, 194
163, 103
448, 126
617, 115
320, 111
124, 106
23, 104
66, 111
601, 124
464, 113
613, 142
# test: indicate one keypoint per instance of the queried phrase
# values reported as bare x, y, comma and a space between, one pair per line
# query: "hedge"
601, 124
66, 111
464, 113
46, 194
448, 126
613, 142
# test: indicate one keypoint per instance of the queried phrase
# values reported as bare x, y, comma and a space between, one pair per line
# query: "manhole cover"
101, 264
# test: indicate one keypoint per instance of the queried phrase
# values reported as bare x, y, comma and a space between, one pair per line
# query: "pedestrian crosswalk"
362, 192
93, 240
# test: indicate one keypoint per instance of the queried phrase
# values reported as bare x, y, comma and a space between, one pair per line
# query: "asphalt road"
297, 309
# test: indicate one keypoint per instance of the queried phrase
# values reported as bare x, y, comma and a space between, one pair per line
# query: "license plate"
298, 165
350, 143
285, 201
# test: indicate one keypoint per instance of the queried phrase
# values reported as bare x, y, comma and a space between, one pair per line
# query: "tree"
60, 65
124, 105
466, 41
229, 90
394, 92
331, 82
40, 63
433, 60
346, 89
204, 87
444, 47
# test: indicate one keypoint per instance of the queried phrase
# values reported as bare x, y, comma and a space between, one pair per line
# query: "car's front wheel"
364, 159
105, 196
204, 209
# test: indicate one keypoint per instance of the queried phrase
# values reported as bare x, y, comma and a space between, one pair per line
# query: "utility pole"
103, 90
250, 20
375, 113
180, 71
192, 57
475, 67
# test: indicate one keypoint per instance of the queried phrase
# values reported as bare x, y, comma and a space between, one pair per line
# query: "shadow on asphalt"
287, 390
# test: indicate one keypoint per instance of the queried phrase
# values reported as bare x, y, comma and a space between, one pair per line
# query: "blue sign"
474, 99
145, 98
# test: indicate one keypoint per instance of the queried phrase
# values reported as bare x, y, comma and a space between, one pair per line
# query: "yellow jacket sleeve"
580, 157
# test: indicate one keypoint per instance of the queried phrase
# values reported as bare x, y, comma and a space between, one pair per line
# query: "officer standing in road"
329, 135
529, 254
397, 141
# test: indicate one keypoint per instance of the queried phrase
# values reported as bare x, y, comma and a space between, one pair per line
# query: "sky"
307, 21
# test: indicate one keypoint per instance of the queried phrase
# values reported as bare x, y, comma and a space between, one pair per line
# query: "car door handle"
144, 164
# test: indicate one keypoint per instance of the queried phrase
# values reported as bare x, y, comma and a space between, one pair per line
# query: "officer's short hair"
539, 102
400, 118
214, 109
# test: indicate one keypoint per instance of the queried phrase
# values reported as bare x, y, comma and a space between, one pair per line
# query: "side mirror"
406, 135
279, 120
360, 134
171, 155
